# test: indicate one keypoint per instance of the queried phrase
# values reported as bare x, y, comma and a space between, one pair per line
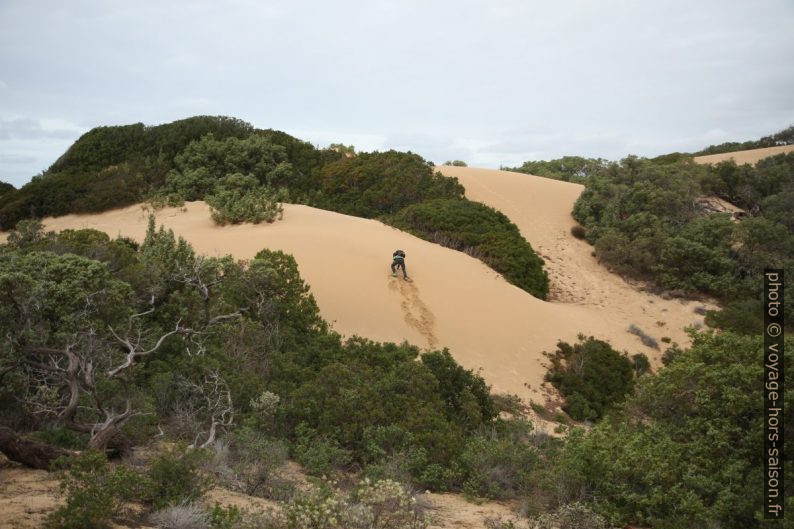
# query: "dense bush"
375, 184
174, 477
567, 168
499, 462
94, 491
204, 163
480, 231
240, 198
684, 452
591, 376
5, 187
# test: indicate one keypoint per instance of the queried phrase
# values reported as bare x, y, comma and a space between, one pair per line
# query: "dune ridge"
751, 156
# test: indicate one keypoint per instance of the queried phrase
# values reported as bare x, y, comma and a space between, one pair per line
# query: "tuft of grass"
183, 516
538, 408
508, 403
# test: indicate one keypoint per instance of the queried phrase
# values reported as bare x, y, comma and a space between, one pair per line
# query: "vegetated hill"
5, 187
243, 173
110, 167
784, 137
579, 169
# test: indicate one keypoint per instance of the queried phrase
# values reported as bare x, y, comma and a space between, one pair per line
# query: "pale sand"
454, 300
742, 157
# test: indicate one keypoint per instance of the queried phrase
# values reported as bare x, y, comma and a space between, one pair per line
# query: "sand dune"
750, 156
454, 300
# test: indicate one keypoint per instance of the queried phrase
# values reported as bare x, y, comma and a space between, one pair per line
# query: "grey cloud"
30, 129
487, 82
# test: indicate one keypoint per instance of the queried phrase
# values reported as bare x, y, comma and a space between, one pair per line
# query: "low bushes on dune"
481, 232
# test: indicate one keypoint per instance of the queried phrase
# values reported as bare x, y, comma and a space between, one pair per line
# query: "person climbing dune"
398, 261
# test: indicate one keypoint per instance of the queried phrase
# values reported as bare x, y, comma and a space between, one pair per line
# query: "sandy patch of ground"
750, 156
452, 511
26, 496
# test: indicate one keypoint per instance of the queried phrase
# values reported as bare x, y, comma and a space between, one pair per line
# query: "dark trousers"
398, 263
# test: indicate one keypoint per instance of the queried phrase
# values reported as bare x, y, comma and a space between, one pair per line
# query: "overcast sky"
491, 82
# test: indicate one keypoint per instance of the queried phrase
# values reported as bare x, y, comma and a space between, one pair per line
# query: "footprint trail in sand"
416, 313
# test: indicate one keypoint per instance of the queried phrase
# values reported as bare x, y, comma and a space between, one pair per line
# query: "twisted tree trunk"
30, 453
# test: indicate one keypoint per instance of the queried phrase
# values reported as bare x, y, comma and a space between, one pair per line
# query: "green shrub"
641, 363
481, 232
240, 198
320, 455
175, 477
591, 376
375, 184
229, 517
578, 231
94, 491
256, 459
567, 168
26, 233
62, 437
499, 463
683, 451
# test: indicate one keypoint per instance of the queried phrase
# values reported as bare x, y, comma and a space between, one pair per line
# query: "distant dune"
453, 300
742, 157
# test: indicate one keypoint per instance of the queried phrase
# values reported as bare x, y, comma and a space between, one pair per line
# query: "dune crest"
751, 156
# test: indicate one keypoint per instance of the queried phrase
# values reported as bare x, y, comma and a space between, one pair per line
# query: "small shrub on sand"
240, 198
175, 479
591, 376
508, 403
641, 364
578, 231
538, 408
646, 339
94, 491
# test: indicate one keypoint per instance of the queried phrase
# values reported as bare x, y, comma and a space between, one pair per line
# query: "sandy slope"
454, 300
741, 157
